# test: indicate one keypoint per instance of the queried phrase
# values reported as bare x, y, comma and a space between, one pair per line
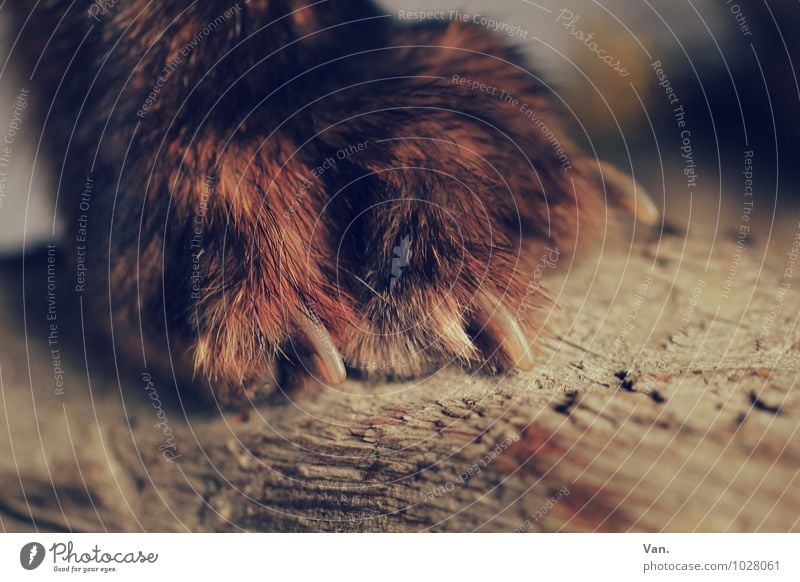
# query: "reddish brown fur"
472, 189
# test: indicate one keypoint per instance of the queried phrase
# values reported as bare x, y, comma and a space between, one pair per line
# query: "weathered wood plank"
662, 403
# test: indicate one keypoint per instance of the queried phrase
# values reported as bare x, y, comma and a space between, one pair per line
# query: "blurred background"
730, 65
727, 63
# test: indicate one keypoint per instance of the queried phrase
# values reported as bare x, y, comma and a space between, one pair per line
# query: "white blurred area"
26, 177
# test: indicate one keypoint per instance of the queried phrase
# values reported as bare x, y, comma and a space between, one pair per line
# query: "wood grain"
661, 404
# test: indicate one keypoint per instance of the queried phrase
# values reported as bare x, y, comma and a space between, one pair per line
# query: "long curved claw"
631, 195
498, 325
323, 355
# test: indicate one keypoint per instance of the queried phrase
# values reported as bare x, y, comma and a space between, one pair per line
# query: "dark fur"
466, 177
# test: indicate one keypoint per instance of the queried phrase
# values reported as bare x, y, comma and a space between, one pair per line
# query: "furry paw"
405, 230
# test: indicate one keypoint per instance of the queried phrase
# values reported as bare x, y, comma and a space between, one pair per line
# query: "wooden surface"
660, 404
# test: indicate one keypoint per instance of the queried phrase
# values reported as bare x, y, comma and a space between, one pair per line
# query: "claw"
323, 354
498, 324
629, 194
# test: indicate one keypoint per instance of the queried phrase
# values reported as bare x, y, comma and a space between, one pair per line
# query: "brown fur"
468, 179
